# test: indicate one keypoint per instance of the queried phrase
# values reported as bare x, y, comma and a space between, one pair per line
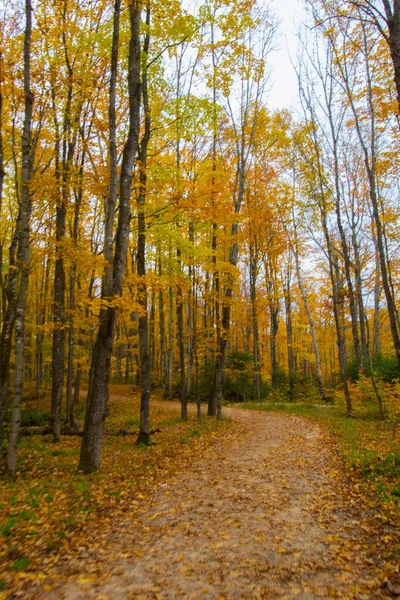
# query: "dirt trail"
263, 520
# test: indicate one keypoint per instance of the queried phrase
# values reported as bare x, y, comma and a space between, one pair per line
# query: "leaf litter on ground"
262, 506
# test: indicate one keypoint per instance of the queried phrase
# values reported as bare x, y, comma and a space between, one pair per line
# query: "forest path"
262, 517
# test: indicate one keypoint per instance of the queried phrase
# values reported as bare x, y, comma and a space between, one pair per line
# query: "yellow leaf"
156, 516
85, 579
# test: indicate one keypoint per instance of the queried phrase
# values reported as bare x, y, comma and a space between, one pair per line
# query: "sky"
283, 82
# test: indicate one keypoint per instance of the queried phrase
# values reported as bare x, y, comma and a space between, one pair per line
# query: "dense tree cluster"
160, 226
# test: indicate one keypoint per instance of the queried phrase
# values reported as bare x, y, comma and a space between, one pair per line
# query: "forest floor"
266, 512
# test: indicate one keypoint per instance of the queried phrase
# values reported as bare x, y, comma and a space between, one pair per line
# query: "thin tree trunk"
70, 416
190, 318
321, 201
181, 341
359, 296
217, 381
274, 323
377, 308
69, 136
289, 336
171, 342
152, 333
23, 255
163, 354
144, 427
219, 360
254, 322
295, 248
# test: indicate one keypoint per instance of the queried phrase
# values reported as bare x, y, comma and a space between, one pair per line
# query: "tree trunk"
171, 342
190, 317
393, 21
370, 158
309, 317
181, 340
23, 255
144, 427
163, 353
217, 381
70, 416
274, 323
96, 404
289, 336
63, 175
7, 330
377, 308
254, 322
366, 356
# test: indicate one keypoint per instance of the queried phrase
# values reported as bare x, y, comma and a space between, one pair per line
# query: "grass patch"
20, 564
7, 528
186, 438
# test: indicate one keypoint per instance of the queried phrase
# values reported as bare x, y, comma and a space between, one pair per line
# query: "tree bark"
23, 255
96, 404
289, 336
257, 381
171, 342
144, 427
63, 175
163, 353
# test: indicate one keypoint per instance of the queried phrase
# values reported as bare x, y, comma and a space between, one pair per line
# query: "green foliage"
238, 383
30, 418
205, 381
386, 367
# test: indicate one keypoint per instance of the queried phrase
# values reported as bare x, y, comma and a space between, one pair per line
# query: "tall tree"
96, 403
23, 252
144, 427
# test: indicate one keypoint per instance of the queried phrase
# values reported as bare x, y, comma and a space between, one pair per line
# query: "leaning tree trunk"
96, 404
